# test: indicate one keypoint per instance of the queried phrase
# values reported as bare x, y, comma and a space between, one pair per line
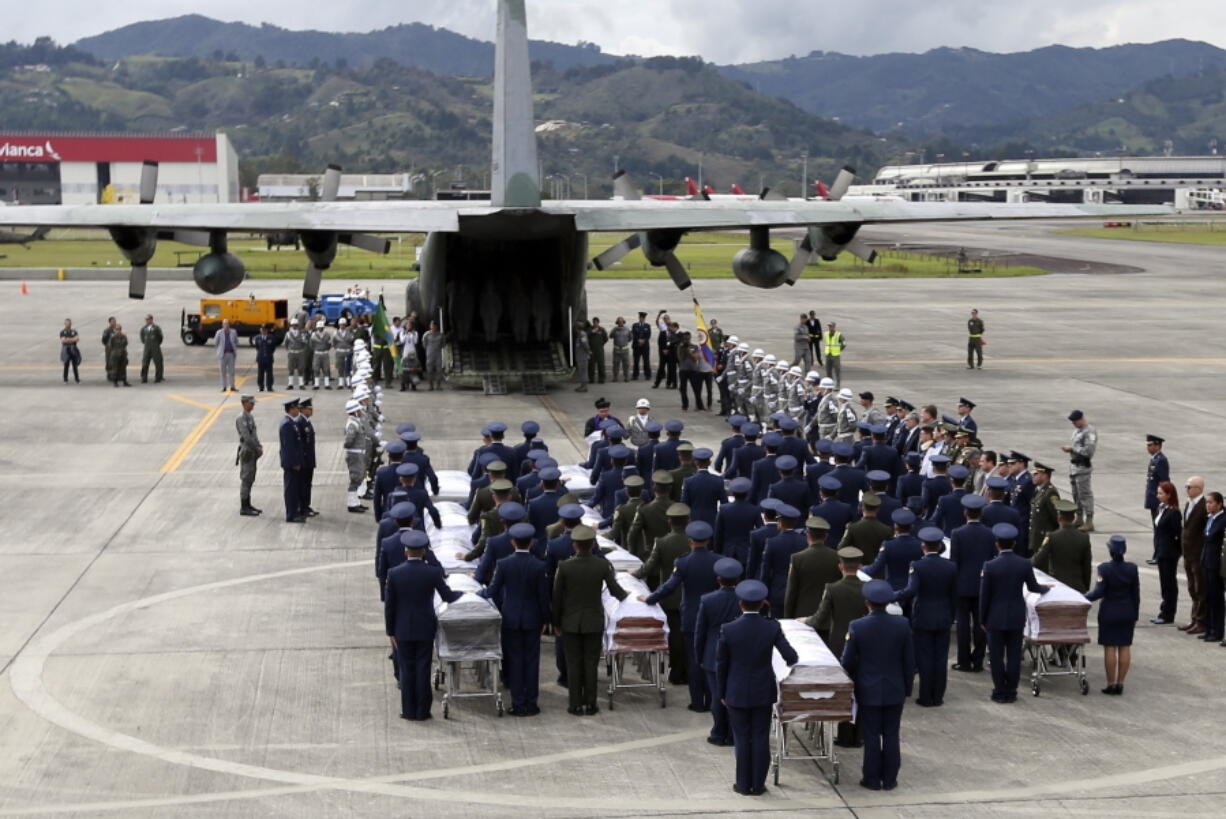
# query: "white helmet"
293, 322
770, 359
342, 321
827, 384
733, 340
796, 372
742, 347
642, 403
758, 352
812, 376
353, 406
845, 394
782, 365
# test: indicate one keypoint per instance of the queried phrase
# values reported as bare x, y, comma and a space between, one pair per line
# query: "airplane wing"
600, 215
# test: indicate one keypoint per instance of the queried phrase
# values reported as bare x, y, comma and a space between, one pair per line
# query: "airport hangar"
1188, 182
86, 168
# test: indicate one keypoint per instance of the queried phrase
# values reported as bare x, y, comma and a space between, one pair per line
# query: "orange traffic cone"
25, 291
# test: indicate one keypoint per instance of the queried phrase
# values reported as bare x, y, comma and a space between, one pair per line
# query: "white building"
294, 187
79, 169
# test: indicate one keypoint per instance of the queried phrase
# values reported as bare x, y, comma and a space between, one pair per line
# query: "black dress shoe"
357, 510
889, 786
514, 712
258, 511
872, 786
742, 791
531, 711
698, 709
591, 710
405, 716
758, 791
1152, 562
296, 520
717, 741
575, 712
311, 513
843, 744
249, 513
960, 667
563, 682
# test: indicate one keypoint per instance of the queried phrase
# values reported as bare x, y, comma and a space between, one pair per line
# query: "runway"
160, 655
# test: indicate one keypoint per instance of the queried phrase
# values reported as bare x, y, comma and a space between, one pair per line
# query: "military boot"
1088, 526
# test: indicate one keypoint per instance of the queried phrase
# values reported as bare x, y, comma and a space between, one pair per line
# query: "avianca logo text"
45, 151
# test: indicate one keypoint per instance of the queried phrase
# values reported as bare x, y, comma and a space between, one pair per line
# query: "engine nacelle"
136, 244
657, 244
320, 247
760, 265
217, 273
836, 237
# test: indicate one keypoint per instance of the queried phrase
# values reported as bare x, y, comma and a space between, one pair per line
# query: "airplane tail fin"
690, 187
822, 191
708, 189
515, 178
737, 190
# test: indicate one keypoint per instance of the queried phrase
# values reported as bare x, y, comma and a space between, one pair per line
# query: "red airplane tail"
737, 190
690, 187
822, 191
708, 190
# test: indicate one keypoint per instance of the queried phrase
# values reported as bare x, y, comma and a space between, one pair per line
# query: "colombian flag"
381, 330
704, 341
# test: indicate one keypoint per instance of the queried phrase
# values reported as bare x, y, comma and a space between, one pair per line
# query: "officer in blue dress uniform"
729, 446
933, 590
764, 472
665, 452
880, 456
936, 487
645, 455
971, 546
997, 510
411, 624
695, 575
410, 489
897, 554
744, 457
911, 482
391, 550
291, 463
703, 491
792, 443
735, 522
1002, 610
880, 659
1021, 495
777, 556
385, 477
543, 509
519, 452
1158, 471
306, 432
521, 591
502, 545
1120, 590
745, 683
831, 509
878, 484
714, 610
498, 431
965, 408
413, 454
853, 480
601, 458
758, 537
604, 499
949, 508
790, 488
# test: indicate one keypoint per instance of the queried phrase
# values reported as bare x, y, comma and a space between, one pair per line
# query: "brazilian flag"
381, 330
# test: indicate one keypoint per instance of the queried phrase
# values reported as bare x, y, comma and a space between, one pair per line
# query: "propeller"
139, 246
842, 182
657, 245
148, 182
321, 245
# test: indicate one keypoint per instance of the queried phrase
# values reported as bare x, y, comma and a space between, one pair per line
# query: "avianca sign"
110, 148
43, 153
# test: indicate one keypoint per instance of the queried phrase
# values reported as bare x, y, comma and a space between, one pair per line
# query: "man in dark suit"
745, 683
1158, 471
703, 491
502, 544
777, 556
971, 546
578, 613
520, 589
735, 522
1002, 610
879, 657
1191, 541
759, 536
790, 488
291, 463
411, 623
694, 575
714, 610
933, 586
390, 553
1211, 568
746, 455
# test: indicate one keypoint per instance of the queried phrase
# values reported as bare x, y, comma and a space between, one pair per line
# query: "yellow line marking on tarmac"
190, 402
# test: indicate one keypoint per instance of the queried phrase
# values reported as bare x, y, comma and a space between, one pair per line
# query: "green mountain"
1186, 115
662, 116
951, 91
412, 44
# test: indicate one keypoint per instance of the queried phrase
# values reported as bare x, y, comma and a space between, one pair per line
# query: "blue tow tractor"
333, 307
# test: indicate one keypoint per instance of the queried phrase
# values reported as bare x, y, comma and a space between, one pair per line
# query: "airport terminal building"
85, 168
1186, 181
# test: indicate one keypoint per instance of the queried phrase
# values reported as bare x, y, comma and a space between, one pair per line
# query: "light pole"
434, 183
700, 187
804, 176
584, 184
659, 179
563, 186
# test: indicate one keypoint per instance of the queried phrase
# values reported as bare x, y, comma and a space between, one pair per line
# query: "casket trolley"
638, 633
1056, 634
469, 637
816, 694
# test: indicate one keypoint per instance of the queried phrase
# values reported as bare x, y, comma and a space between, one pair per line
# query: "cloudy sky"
719, 30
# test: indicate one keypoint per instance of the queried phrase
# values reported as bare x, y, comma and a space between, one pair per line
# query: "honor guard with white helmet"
321, 346
827, 409
342, 350
355, 453
845, 418
295, 346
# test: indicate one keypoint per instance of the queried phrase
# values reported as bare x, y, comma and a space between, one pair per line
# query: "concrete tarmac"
162, 656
